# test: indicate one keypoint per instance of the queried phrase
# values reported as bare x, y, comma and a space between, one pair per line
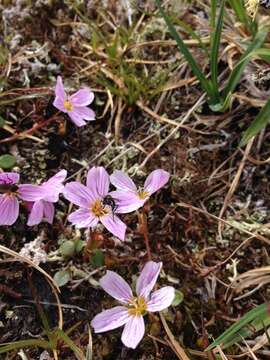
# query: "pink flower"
128, 197
92, 203
11, 191
132, 310
74, 105
49, 193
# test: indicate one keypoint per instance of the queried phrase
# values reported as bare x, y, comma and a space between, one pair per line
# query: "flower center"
142, 194
67, 105
98, 208
137, 306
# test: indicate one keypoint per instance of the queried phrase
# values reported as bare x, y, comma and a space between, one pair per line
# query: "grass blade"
215, 42
239, 68
186, 53
23, 344
255, 316
258, 124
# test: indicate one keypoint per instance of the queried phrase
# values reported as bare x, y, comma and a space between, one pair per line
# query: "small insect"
7, 188
109, 201
50, 110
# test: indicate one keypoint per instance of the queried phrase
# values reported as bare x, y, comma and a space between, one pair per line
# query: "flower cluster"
96, 204
133, 308
38, 198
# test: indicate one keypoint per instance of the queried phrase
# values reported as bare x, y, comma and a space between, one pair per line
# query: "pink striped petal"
148, 278
110, 319
36, 213
161, 299
116, 286
53, 187
78, 194
59, 104
122, 181
28, 192
76, 118
59, 89
48, 211
9, 209
156, 180
114, 225
126, 202
9, 178
98, 181
133, 332
85, 113
82, 97
82, 218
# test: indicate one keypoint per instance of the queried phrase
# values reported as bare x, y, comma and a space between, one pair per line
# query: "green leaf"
62, 277
67, 249
66, 339
79, 245
239, 68
97, 258
2, 121
255, 319
186, 53
260, 121
215, 42
178, 298
7, 161
23, 344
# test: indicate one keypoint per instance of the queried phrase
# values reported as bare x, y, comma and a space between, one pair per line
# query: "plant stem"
144, 230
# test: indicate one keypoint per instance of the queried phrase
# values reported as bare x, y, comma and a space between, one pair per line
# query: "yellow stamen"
67, 105
98, 209
137, 306
143, 194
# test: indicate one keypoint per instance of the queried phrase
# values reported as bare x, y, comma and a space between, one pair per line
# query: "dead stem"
142, 217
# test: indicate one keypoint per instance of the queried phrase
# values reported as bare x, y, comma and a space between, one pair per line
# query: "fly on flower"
128, 197
76, 105
132, 309
95, 203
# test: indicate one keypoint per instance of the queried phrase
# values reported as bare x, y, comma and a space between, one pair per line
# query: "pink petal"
116, 286
122, 181
110, 319
9, 209
48, 211
98, 181
9, 178
114, 225
53, 187
148, 278
161, 299
82, 97
58, 178
83, 218
36, 213
59, 104
30, 192
59, 88
126, 202
133, 332
76, 118
156, 180
78, 194
84, 112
